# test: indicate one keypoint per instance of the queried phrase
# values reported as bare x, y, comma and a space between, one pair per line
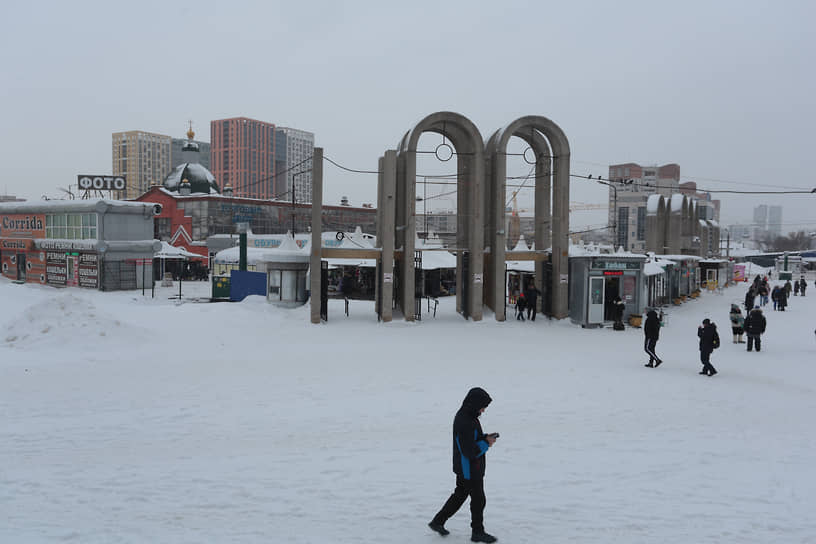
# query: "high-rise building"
775, 221
299, 150
142, 157
249, 156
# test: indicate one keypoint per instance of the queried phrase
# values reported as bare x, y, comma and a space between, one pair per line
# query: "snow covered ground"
131, 419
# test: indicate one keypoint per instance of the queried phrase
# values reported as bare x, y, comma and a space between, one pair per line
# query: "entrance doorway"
21, 266
70, 275
611, 290
595, 314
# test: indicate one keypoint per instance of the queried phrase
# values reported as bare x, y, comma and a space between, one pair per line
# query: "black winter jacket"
709, 339
652, 326
469, 442
755, 322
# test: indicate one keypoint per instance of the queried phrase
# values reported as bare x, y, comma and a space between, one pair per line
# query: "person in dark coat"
763, 292
521, 303
795, 288
737, 324
531, 294
788, 288
651, 329
782, 299
750, 296
775, 296
470, 445
617, 312
802, 286
709, 341
754, 327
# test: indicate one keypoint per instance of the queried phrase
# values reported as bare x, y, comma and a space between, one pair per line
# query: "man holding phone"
470, 445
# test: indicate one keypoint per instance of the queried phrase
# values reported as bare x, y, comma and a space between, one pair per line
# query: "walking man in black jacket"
709, 341
470, 445
652, 331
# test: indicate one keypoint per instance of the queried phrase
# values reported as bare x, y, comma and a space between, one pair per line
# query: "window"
641, 223
71, 226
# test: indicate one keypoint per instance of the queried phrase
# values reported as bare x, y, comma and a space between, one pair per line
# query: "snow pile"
242, 422
67, 318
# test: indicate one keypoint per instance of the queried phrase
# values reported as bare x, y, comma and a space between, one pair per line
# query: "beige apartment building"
144, 158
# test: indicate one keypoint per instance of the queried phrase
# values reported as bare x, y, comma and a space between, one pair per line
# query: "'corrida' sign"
25, 226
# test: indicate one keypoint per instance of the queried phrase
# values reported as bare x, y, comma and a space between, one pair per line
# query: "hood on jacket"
652, 314
756, 310
735, 308
476, 399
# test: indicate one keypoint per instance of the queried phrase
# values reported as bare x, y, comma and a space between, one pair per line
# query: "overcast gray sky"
724, 89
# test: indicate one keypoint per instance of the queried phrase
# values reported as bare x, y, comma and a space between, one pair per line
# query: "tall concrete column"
317, 232
406, 232
387, 201
560, 230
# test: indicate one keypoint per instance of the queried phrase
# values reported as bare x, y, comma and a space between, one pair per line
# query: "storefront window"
71, 226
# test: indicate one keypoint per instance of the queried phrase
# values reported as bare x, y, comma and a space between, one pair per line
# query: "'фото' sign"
101, 183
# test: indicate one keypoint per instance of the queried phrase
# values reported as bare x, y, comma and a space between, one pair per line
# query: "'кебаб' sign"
101, 183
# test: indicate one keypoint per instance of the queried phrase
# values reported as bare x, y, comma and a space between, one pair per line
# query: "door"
595, 312
711, 278
70, 273
21, 266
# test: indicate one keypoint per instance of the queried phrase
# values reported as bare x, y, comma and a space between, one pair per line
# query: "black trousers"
465, 488
708, 368
531, 310
649, 348
752, 339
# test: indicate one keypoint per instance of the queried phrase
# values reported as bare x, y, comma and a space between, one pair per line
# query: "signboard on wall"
55, 267
92, 182
22, 226
88, 270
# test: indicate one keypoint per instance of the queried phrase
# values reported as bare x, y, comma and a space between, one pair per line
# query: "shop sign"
101, 183
55, 268
615, 265
14, 244
66, 244
88, 270
22, 226
613, 272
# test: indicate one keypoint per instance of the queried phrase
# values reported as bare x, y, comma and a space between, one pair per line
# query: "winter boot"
482, 537
438, 527
649, 364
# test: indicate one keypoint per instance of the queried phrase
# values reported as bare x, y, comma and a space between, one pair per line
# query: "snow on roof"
100, 205
173, 252
676, 202
653, 204
521, 245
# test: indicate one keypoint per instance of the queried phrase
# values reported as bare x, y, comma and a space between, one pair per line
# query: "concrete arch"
466, 139
552, 152
656, 221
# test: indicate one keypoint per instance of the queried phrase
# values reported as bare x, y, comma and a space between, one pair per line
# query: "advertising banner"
739, 272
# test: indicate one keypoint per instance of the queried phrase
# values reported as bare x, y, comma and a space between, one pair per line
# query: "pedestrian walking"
763, 292
709, 341
470, 447
755, 324
521, 303
782, 298
795, 288
802, 286
531, 294
788, 288
749, 299
651, 329
737, 324
775, 296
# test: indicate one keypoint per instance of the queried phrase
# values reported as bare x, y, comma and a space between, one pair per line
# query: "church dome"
201, 180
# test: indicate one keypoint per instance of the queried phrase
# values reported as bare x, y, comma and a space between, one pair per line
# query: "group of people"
527, 300
780, 294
